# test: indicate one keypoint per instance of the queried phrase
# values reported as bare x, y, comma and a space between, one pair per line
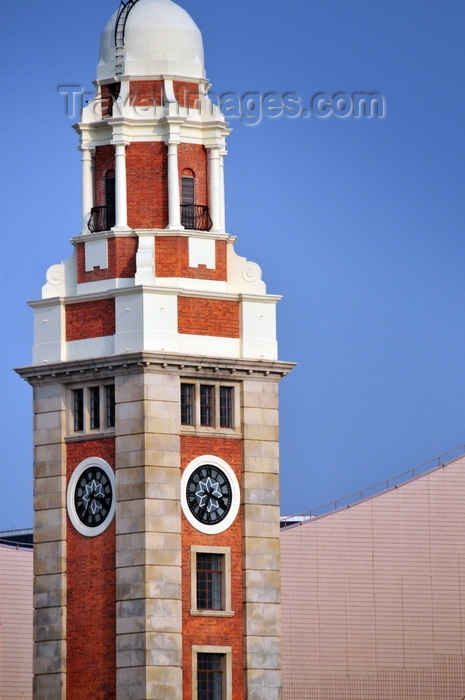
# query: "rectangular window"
187, 404
210, 672
94, 396
78, 409
110, 401
210, 581
226, 406
212, 405
92, 409
206, 404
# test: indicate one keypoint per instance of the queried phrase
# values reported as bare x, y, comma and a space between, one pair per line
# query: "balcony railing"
101, 219
196, 217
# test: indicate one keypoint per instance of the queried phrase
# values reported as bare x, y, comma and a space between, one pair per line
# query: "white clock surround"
236, 494
76, 475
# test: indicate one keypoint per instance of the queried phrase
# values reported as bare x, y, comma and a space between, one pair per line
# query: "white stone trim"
202, 251
90, 347
96, 254
145, 260
236, 494
49, 331
77, 524
102, 288
190, 284
196, 125
209, 345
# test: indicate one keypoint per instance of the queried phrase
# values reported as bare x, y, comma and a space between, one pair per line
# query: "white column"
174, 201
215, 187
87, 187
222, 195
121, 203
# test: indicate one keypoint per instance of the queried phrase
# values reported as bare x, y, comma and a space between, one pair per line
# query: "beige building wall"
15, 623
374, 596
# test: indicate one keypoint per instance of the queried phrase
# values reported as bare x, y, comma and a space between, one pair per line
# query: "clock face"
93, 496
209, 494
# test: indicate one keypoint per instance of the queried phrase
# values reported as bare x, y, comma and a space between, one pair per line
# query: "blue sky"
358, 223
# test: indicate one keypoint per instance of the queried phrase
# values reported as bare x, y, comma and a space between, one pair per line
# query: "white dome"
160, 38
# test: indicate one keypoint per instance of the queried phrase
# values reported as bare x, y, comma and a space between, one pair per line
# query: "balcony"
196, 217
101, 219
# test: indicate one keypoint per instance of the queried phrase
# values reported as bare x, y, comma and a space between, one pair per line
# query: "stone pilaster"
49, 543
262, 595
148, 548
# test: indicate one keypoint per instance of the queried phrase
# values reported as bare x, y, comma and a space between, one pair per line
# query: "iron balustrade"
101, 219
196, 217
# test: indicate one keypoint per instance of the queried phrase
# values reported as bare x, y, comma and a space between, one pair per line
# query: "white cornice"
156, 232
173, 363
44, 303
100, 235
142, 289
192, 125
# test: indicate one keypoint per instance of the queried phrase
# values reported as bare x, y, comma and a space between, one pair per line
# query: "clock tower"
155, 376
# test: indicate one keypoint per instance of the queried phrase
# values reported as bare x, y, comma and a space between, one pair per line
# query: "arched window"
188, 199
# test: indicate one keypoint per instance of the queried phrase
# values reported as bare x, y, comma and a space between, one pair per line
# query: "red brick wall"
193, 156
91, 597
215, 317
151, 93
213, 631
121, 260
172, 260
90, 319
146, 93
147, 184
187, 94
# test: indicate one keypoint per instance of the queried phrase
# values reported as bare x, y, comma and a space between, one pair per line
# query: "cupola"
151, 38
